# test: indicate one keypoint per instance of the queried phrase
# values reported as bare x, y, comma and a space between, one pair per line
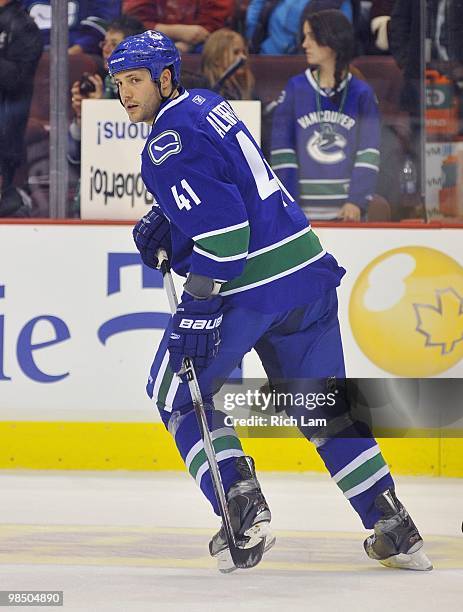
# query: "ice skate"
250, 518
396, 541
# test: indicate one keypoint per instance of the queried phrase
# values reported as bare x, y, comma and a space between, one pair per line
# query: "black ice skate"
250, 518
396, 541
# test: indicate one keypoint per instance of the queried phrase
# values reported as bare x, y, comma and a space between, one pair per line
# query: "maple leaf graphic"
441, 324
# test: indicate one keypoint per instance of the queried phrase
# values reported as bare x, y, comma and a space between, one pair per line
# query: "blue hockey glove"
195, 332
151, 233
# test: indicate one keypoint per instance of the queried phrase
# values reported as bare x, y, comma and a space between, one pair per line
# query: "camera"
85, 85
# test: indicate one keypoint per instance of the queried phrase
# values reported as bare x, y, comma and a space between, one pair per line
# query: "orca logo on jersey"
326, 146
41, 14
200, 324
163, 146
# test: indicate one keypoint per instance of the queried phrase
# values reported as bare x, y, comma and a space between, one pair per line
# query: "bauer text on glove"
195, 332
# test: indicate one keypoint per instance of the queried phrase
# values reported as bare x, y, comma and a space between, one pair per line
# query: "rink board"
80, 317
148, 446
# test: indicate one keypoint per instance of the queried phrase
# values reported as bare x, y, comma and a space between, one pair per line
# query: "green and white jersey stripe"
165, 385
333, 189
321, 213
367, 158
283, 158
362, 473
226, 444
276, 260
225, 244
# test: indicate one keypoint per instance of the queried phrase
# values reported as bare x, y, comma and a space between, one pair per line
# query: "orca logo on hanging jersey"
326, 146
163, 146
41, 13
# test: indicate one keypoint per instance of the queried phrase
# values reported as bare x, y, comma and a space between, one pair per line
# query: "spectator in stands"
222, 50
273, 26
20, 50
404, 42
187, 22
92, 86
325, 137
87, 21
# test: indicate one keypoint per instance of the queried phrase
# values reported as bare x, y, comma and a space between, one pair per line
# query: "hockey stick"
241, 557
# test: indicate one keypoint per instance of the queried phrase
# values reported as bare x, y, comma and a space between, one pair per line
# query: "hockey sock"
360, 471
226, 444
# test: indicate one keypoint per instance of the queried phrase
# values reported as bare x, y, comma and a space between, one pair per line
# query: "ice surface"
138, 541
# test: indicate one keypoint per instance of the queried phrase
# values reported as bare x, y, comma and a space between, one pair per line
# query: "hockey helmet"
151, 50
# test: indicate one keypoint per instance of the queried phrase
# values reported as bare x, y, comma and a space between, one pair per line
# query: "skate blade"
256, 534
417, 561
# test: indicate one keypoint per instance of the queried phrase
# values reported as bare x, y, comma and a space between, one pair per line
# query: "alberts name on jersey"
222, 118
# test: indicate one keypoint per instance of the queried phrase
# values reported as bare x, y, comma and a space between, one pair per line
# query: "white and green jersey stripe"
367, 158
322, 199
165, 385
226, 444
361, 473
225, 244
284, 158
328, 189
276, 261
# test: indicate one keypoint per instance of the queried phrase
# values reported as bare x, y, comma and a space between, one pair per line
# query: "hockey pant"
303, 343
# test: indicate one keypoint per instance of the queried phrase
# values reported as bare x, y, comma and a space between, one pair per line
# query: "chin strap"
173, 88
165, 98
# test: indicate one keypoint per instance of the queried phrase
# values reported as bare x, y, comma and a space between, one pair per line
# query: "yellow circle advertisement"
406, 311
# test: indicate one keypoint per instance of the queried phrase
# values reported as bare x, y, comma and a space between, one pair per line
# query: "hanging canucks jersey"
87, 20
231, 219
325, 148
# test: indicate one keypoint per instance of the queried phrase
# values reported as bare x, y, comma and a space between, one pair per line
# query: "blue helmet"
151, 50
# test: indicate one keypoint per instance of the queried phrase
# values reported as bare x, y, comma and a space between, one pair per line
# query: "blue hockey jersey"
231, 219
87, 20
326, 153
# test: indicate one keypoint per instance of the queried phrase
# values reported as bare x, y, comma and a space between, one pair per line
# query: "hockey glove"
195, 332
151, 233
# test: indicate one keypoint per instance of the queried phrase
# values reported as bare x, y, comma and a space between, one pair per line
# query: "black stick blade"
245, 558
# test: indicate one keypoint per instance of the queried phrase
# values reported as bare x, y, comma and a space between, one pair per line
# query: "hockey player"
256, 277
326, 129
